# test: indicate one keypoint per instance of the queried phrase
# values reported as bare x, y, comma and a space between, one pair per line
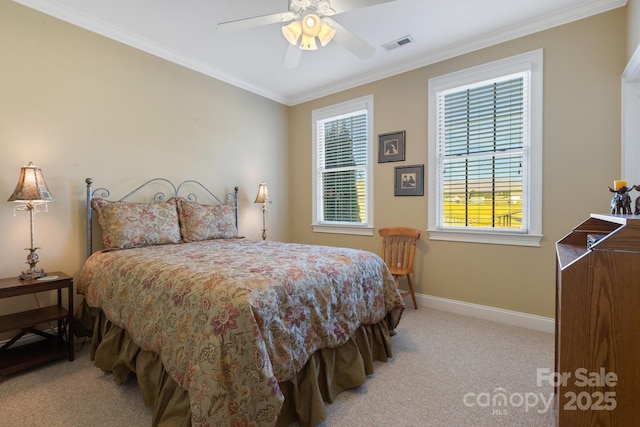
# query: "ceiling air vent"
398, 43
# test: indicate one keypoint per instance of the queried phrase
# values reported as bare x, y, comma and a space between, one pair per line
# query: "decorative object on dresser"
263, 197
597, 321
53, 346
32, 191
621, 202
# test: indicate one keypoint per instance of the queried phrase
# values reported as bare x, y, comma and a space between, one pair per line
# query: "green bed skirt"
327, 373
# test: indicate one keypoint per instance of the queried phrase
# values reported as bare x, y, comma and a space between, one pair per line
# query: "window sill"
495, 238
343, 229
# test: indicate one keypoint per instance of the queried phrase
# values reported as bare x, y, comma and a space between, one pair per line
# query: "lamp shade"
292, 32
31, 186
308, 43
326, 34
263, 194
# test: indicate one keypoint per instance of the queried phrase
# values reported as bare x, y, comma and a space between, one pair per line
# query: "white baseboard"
509, 317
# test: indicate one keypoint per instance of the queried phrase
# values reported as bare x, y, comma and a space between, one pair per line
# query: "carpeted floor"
447, 370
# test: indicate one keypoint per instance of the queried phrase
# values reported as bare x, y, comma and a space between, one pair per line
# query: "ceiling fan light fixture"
326, 33
308, 43
292, 32
311, 25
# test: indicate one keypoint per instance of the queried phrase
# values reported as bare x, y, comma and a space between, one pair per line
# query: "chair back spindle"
398, 251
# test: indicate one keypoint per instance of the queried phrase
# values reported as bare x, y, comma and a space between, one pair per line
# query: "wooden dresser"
597, 354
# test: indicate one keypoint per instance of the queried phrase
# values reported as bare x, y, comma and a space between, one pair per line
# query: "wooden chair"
398, 249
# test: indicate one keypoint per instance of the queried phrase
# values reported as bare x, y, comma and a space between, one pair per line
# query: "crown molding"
90, 23
74, 17
490, 39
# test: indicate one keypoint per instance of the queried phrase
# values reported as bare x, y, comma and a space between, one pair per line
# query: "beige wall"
633, 27
583, 62
79, 105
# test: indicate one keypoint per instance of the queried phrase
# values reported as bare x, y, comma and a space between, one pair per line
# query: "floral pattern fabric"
231, 318
203, 222
131, 225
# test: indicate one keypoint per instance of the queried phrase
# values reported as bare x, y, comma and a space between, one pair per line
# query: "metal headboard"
159, 196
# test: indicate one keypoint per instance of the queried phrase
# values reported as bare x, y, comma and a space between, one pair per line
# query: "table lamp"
32, 191
263, 197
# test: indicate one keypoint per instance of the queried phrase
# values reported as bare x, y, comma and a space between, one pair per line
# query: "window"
342, 176
485, 153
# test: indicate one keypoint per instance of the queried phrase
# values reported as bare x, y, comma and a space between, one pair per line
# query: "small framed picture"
391, 147
409, 181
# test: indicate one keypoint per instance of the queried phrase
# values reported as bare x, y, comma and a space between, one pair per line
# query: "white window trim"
630, 113
531, 61
366, 229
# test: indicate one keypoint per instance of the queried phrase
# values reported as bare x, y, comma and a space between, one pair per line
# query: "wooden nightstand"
13, 359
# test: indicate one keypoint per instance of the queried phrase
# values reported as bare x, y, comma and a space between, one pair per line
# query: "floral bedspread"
232, 318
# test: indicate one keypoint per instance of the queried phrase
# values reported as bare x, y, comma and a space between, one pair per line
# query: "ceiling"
185, 32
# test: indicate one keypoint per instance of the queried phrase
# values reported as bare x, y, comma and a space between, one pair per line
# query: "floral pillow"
205, 222
132, 225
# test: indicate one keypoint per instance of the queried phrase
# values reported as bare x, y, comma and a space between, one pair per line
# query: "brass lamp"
263, 197
32, 191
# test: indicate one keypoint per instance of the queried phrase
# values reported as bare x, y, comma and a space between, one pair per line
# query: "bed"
220, 330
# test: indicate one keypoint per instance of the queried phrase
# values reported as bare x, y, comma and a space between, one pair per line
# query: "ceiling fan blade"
355, 44
345, 5
292, 57
256, 21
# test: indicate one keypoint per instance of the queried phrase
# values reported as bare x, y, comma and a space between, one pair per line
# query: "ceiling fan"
311, 19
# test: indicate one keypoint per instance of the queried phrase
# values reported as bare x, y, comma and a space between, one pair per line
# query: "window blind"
342, 162
482, 151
